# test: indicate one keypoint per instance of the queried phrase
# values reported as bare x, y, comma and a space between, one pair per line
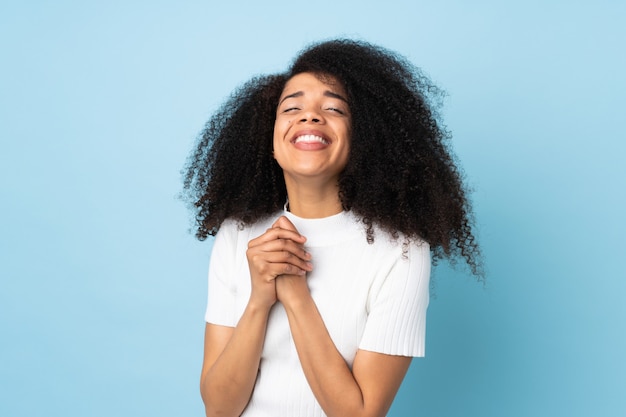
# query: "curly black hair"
401, 175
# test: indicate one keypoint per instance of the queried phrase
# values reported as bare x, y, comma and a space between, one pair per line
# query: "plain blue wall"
103, 288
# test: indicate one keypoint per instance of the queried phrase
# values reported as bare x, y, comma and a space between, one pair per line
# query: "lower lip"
310, 146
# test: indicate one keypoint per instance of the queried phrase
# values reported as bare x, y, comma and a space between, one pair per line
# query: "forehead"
308, 81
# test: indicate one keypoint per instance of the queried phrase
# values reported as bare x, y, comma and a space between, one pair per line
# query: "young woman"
329, 188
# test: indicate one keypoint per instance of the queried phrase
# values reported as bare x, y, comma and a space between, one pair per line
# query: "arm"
366, 390
232, 355
231, 361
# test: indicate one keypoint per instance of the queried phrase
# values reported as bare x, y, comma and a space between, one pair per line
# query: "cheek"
281, 128
276, 135
277, 148
345, 158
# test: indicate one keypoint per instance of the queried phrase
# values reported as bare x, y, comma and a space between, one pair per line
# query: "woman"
331, 187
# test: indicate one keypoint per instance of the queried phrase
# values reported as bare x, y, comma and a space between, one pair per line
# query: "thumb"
284, 223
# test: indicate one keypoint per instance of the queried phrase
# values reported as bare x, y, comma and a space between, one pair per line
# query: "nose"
312, 116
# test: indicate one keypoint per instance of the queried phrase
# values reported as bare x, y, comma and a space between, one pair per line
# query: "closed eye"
336, 110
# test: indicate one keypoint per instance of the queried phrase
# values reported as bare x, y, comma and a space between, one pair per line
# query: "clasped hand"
278, 264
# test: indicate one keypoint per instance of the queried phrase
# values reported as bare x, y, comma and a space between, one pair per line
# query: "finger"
280, 269
273, 264
299, 260
277, 233
279, 251
284, 223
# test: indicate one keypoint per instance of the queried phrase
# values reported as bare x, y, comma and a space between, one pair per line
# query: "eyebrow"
327, 93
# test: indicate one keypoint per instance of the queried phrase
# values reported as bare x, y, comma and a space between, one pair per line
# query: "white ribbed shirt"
371, 297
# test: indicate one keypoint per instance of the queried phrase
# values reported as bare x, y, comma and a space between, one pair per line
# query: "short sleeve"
396, 322
222, 290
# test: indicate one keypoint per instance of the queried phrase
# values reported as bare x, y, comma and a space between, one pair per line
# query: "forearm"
327, 373
227, 385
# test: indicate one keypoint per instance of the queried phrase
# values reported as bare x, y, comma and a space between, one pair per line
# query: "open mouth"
311, 139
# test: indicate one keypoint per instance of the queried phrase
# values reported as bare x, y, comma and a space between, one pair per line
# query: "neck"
311, 202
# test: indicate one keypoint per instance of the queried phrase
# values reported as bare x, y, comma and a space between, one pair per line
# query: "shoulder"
408, 246
386, 254
235, 229
231, 241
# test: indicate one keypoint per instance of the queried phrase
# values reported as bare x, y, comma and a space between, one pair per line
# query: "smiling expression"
312, 128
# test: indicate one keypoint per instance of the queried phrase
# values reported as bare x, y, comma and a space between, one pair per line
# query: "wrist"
255, 306
295, 298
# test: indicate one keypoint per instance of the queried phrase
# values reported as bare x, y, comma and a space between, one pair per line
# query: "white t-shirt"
371, 297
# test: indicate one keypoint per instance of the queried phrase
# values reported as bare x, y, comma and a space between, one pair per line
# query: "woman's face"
312, 128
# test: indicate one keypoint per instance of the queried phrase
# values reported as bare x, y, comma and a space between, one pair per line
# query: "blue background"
103, 287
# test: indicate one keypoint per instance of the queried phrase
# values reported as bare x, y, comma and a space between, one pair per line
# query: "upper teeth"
310, 138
